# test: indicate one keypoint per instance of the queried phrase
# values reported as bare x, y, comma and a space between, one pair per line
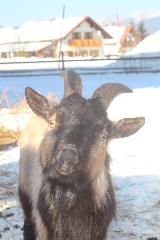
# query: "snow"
37, 34
116, 32
40, 30
52, 28
8, 35
149, 45
135, 168
34, 46
143, 58
112, 46
35, 63
145, 105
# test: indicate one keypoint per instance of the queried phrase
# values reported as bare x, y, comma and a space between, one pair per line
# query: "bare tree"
142, 30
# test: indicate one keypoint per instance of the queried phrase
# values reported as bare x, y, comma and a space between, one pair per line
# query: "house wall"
88, 49
130, 42
111, 48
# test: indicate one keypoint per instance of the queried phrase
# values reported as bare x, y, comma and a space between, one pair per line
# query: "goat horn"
72, 83
107, 92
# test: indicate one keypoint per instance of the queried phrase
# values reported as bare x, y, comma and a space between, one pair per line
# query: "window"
76, 35
94, 53
88, 35
130, 37
78, 53
69, 53
84, 53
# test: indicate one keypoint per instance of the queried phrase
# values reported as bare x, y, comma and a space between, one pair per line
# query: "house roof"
54, 29
116, 32
94, 24
28, 46
7, 34
119, 33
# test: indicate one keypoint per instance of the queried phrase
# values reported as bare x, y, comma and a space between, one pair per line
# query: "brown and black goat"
65, 186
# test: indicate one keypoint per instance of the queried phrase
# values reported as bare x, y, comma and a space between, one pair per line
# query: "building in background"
124, 39
74, 36
7, 37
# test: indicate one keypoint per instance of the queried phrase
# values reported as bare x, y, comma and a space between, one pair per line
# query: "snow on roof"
52, 29
28, 47
116, 32
35, 34
33, 31
148, 45
7, 34
47, 29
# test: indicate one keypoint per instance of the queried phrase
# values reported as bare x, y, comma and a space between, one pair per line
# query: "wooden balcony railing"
85, 43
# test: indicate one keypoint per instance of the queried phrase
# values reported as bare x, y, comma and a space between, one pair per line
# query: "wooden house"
76, 37
124, 39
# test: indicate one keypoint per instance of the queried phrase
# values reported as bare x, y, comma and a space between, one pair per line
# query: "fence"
143, 64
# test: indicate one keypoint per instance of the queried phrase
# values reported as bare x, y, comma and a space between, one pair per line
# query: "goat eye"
55, 120
103, 135
101, 132
98, 128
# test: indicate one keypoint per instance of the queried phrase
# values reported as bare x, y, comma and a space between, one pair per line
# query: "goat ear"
125, 127
38, 103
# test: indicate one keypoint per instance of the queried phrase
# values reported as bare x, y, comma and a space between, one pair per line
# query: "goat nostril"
70, 147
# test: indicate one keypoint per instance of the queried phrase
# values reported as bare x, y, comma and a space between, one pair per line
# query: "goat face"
73, 150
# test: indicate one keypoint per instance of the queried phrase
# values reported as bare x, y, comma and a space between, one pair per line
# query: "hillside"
151, 20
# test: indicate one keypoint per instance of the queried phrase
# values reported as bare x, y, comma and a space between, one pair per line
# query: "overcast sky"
16, 12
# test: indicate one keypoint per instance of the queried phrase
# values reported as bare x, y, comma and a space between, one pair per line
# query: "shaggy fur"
65, 185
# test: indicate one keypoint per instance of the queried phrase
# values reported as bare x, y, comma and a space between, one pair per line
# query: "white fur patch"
100, 187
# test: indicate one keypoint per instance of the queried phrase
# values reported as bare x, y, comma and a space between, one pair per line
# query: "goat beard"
57, 196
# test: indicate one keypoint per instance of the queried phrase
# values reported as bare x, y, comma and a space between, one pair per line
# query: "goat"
65, 187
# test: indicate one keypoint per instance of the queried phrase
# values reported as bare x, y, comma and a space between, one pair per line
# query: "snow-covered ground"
135, 169
148, 45
145, 57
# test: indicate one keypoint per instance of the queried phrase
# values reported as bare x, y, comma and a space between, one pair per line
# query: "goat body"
65, 186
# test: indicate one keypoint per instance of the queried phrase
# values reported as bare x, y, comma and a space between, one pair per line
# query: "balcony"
85, 43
